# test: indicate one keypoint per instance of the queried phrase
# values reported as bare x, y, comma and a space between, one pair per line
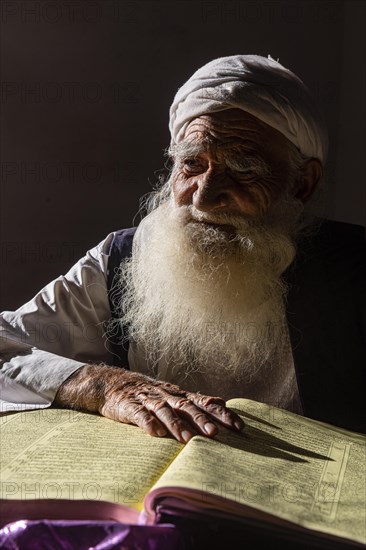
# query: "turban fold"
260, 86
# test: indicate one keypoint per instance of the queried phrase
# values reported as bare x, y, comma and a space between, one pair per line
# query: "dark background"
86, 88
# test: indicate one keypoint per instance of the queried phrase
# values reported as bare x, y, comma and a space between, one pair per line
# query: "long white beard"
205, 300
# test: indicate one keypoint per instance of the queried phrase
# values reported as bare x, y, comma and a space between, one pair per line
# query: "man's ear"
308, 179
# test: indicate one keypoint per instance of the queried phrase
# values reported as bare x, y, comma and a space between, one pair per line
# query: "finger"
178, 427
194, 415
205, 399
132, 411
215, 407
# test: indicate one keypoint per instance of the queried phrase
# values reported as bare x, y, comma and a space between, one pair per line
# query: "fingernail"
210, 428
186, 436
161, 432
239, 425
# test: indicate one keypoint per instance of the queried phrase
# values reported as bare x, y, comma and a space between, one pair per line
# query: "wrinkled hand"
159, 408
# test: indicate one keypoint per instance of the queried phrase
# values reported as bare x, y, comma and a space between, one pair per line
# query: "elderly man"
227, 287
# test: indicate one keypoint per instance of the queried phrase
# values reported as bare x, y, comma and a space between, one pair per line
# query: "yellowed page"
299, 470
64, 454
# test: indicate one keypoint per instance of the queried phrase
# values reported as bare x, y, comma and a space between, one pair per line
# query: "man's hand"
157, 407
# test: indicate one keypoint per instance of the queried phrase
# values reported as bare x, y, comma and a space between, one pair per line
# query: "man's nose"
213, 191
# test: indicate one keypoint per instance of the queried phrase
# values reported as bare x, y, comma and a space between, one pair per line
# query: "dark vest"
326, 306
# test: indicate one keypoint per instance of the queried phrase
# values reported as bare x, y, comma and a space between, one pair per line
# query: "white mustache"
190, 213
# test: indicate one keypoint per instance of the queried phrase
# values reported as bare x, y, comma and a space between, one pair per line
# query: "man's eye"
191, 164
248, 172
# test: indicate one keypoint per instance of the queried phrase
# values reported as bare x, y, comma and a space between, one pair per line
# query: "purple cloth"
86, 535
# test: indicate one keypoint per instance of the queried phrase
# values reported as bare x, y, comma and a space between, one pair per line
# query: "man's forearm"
30, 377
86, 388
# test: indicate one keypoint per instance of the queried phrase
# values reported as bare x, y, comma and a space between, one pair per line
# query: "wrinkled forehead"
228, 124
231, 130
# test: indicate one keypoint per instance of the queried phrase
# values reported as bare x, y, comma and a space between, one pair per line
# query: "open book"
283, 472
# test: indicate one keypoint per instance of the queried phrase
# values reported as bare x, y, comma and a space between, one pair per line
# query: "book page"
65, 454
282, 464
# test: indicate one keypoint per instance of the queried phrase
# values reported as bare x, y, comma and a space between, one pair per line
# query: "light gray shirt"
58, 331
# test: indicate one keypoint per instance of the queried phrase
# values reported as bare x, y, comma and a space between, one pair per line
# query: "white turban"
259, 86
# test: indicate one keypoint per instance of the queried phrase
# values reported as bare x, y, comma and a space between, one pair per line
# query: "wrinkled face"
231, 162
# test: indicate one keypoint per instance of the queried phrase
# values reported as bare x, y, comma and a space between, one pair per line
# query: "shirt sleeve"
61, 329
